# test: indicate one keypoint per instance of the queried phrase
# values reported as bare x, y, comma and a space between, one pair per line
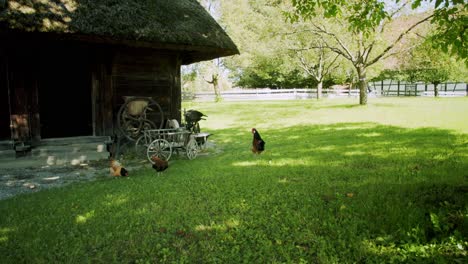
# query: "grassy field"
338, 183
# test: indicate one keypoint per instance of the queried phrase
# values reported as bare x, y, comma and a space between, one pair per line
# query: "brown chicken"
258, 144
159, 164
116, 169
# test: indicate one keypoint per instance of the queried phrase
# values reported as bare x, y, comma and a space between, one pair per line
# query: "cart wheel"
160, 148
138, 114
192, 149
141, 145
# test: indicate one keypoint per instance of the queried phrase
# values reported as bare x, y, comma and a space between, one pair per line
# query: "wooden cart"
163, 142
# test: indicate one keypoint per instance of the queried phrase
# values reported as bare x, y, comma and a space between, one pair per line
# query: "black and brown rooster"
258, 144
159, 164
116, 169
192, 117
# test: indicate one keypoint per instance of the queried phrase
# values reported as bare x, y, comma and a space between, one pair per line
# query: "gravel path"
16, 180
30, 175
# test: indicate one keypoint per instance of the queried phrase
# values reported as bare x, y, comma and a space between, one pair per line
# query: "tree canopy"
288, 43
450, 18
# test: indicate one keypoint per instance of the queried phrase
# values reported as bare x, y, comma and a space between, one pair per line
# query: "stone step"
6, 145
72, 149
74, 140
57, 151
7, 154
71, 158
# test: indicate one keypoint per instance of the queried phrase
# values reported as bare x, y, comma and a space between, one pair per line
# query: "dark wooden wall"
102, 91
20, 84
63, 88
5, 133
122, 72
150, 74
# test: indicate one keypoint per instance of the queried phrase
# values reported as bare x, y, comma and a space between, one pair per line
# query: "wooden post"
398, 88
176, 96
381, 87
35, 116
94, 100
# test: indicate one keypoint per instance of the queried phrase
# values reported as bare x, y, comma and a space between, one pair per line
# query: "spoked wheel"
133, 129
191, 149
138, 114
141, 145
160, 148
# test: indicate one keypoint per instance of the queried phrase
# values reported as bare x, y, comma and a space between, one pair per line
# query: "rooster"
191, 118
258, 145
116, 169
194, 116
159, 164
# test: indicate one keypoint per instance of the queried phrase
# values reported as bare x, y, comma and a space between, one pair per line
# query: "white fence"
376, 89
400, 88
270, 94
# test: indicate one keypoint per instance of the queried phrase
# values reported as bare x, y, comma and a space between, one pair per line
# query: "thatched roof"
168, 24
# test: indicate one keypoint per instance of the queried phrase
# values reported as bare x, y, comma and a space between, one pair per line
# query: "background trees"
428, 64
303, 43
368, 39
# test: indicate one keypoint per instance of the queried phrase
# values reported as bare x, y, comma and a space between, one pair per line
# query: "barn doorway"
65, 94
5, 132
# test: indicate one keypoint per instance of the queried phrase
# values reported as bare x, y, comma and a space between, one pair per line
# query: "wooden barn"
66, 66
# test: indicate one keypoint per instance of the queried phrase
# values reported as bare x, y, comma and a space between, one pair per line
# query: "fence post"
381, 87
398, 88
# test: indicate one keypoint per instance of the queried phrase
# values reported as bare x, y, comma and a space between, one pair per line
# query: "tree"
430, 65
450, 18
213, 71
319, 63
367, 22
253, 26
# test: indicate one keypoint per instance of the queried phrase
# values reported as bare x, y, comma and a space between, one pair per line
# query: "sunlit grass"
446, 113
337, 183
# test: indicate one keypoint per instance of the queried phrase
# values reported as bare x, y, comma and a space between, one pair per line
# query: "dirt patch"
32, 175
16, 180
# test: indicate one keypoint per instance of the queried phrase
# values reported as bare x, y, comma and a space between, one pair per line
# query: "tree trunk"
436, 90
214, 82
362, 84
218, 97
319, 90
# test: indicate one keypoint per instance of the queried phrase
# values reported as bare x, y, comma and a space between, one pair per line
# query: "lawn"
338, 183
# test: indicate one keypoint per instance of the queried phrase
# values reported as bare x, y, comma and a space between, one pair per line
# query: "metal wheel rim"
192, 149
160, 148
123, 118
141, 145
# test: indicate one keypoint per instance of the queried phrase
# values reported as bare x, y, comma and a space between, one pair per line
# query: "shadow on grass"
350, 192
344, 106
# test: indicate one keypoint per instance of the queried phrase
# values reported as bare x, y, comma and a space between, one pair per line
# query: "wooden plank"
176, 92
5, 132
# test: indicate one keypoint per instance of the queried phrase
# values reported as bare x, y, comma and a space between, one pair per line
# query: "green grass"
338, 183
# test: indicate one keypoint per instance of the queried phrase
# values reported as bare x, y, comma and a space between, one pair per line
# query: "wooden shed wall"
147, 73
121, 73
90, 81
19, 83
5, 133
